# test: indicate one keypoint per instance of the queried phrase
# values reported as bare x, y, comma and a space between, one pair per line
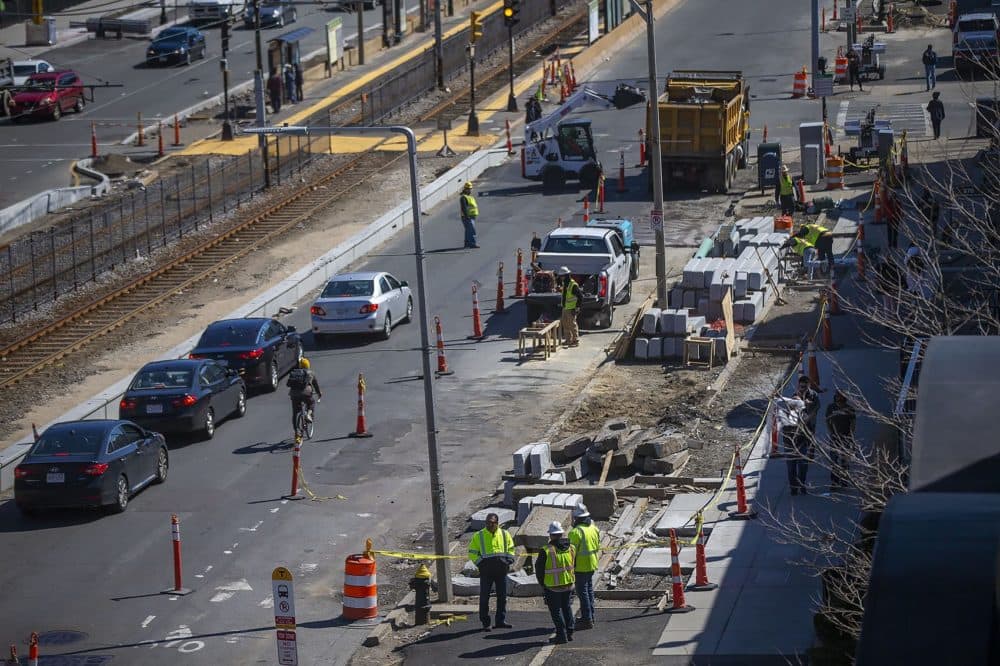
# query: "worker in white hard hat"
470, 211
570, 306
554, 571
586, 540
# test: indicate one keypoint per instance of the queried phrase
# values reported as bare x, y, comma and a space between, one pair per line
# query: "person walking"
492, 551
299, 82
840, 423
801, 436
554, 572
889, 282
930, 63
470, 211
586, 539
290, 84
570, 307
274, 91
936, 110
784, 192
789, 412
854, 69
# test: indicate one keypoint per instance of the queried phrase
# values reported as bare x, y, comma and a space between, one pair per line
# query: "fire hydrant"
421, 584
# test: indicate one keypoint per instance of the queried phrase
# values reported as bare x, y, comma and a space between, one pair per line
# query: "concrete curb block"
386, 626
85, 167
285, 293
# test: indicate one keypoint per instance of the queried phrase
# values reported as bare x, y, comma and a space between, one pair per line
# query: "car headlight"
51, 99
276, 12
180, 50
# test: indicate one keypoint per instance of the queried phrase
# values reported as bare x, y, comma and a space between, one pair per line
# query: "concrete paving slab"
684, 642
652, 561
679, 512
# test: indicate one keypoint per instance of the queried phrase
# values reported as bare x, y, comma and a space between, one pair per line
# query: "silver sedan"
361, 303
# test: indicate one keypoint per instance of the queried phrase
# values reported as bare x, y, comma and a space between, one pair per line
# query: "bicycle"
304, 427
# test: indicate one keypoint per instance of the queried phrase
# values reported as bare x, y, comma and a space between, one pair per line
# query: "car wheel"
409, 310
589, 175
57, 112
121, 495
386, 327
281, 20
628, 294
80, 103
187, 57
272, 383
208, 428
553, 179
162, 465
241, 404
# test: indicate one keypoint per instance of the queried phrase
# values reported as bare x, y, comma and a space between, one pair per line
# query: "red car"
48, 95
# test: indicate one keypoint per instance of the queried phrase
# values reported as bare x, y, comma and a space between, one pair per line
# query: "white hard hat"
580, 511
562, 270
555, 528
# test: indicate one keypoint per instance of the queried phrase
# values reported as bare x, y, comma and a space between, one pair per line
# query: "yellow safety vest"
815, 231
587, 541
559, 567
570, 297
800, 246
484, 545
470, 208
786, 184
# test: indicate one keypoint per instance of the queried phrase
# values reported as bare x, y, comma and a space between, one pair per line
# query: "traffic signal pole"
475, 32
511, 8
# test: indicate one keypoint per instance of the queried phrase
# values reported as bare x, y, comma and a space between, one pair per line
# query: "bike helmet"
304, 363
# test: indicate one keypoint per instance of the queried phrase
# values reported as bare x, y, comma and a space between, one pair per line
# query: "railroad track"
101, 316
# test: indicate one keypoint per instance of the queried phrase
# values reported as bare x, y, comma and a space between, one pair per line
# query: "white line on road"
252, 529
149, 618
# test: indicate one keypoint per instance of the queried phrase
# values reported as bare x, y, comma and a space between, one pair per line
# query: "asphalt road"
100, 576
38, 154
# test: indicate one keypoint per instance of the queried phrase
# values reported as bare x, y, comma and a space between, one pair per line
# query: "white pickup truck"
213, 11
599, 262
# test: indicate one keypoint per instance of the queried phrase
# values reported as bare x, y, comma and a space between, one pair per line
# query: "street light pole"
655, 161
258, 94
511, 100
438, 508
438, 47
473, 129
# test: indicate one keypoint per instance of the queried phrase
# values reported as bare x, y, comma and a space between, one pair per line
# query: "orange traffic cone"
742, 508
701, 582
827, 331
442, 361
679, 605
519, 275
586, 209
362, 427
477, 324
813, 366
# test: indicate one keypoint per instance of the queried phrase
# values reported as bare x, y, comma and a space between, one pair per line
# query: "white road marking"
149, 618
177, 635
842, 117
364, 515
267, 603
222, 596
276, 509
226, 592
308, 567
252, 529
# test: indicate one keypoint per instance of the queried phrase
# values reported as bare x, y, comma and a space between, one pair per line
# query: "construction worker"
785, 192
470, 211
815, 236
570, 307
492, 551
586, 539
554, 572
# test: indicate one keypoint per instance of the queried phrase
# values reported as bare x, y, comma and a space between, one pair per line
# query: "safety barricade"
834, 173
840, 69
360, 588
800, 84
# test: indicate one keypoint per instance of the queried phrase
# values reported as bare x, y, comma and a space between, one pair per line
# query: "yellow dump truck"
704, 129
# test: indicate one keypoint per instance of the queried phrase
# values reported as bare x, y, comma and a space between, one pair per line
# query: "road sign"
656, 220
847, 13
288, 652
823, 85
284, 598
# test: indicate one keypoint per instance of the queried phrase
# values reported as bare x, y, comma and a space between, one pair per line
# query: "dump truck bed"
702, 114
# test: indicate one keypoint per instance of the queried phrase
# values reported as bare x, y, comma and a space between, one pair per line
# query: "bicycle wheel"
310, 425
300, 423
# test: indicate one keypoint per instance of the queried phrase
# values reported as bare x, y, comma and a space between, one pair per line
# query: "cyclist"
302, 384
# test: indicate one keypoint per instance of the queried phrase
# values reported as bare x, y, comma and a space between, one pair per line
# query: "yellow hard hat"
468, 185
304, 363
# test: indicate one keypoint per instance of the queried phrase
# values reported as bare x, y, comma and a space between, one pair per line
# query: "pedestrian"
470, 211
571, 296
784, 192
492, 551
290, 84
274, 90
930, 62
807, 394
840, 423
801, 437
893, 217
936, 110
789, 410
586, 540
299, 82
554, 572
854, 69
930, 211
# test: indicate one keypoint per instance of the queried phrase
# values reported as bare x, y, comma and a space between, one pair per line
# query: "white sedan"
361, 303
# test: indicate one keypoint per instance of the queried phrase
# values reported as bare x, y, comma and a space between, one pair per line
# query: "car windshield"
162, 378
980, 43
69, 441
227, 336
169, 35
976, 25
24, 70
341, 288
575, 245
41, 84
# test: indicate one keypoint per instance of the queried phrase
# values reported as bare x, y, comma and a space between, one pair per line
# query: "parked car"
88, 464
184, 396
23, 69
361, 303
175, 45
260, 349
975, 24
272, 12
48, 95
977, 53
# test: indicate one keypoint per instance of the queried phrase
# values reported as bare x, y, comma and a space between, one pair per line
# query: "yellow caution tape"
313, 497
416, 556
447, 620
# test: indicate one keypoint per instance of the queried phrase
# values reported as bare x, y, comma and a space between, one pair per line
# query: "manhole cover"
61, 637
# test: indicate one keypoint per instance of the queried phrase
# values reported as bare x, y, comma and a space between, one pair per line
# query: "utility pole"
227, 125
815, 41
361, 32
438, 48
511, 9
655, 160
852, 24
475, 32
258, 94
398, 5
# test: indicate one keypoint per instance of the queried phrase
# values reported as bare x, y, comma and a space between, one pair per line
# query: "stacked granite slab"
664, 331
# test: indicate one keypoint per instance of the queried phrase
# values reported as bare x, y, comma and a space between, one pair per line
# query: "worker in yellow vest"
554, 571
469, 210
492, 551
586, 539
785, 192
815, 236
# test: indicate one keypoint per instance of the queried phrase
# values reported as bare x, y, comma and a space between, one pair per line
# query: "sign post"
656, 220
283, 592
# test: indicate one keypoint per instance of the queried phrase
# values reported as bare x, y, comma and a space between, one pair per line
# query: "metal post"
163, 213
34, 280
10, 281
277, 157
438, 46
121, 222
93, 253
208, 182
473, 129
361, 32
451, 7
177, 189
258, 93
656, 172
194, 198
815, 41
135, 236
52, 250
398, 7
852, 24
227, 124
145, 215
72, 245
222, 177
511, 100
250, 163
163, 12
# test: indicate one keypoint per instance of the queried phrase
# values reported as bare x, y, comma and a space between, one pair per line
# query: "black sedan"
89, 463
184, 396
272, 12
260, 349
176, 44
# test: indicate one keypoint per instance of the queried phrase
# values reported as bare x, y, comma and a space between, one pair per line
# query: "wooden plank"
634, 542
605, 469
727, 315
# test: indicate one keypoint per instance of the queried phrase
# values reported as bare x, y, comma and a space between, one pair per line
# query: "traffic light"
476, 26
511, 9
225, 37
